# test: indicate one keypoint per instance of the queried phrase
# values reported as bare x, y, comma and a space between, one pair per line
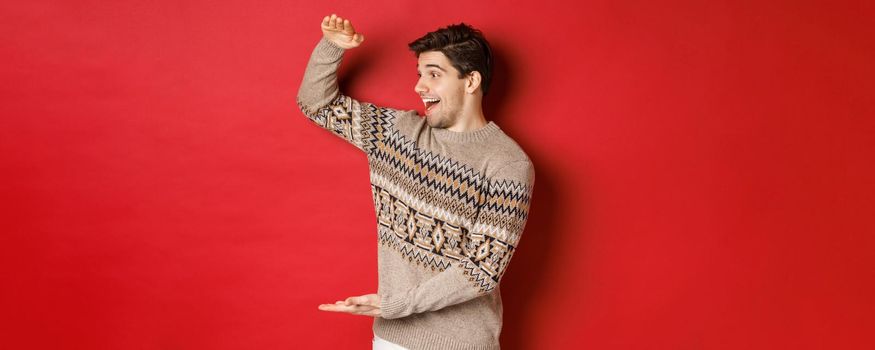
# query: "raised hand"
340, 32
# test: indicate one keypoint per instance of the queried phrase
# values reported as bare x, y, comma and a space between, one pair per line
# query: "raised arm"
321, 100
319, 86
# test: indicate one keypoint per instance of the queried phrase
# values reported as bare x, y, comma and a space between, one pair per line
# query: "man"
451, 191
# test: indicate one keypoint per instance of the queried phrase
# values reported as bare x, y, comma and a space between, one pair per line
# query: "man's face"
441, 89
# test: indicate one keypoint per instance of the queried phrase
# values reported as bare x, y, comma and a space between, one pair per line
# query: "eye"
434, 75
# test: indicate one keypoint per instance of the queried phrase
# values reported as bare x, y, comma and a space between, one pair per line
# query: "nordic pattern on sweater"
475, 223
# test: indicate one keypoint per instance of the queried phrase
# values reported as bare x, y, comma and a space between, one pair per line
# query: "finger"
338, 23
335, 308
325, 21
359, 300
352, 309
329, 307
347, 26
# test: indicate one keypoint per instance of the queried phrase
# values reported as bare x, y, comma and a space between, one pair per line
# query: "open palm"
340, 32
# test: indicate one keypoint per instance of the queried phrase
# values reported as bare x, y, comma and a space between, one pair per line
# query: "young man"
451, 191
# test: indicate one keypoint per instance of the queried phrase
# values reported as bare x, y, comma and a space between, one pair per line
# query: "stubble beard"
439, 120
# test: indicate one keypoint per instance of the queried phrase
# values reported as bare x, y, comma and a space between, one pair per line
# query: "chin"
433, 121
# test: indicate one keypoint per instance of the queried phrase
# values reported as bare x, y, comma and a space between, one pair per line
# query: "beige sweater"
451, 207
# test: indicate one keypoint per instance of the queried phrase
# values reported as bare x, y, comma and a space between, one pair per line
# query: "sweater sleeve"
359, 123
486, 249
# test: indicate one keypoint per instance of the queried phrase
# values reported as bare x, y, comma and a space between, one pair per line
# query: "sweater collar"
466, 136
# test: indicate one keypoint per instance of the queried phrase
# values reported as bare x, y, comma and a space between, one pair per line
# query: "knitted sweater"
450, 209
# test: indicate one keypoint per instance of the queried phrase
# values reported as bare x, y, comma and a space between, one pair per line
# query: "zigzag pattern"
362, 124
435, 244
505, 210
380, 120
428, 170
431, 209
413, 254
427, 206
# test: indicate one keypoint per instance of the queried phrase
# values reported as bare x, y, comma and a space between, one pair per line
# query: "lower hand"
366, 305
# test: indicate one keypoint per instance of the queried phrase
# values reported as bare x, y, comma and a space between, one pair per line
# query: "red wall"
705, 172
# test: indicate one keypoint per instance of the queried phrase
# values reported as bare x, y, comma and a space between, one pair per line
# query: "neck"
472, 118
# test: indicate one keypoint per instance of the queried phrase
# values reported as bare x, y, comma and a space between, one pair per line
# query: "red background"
705, 172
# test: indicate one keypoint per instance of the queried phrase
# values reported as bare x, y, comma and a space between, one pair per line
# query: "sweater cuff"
329, 49
391, 306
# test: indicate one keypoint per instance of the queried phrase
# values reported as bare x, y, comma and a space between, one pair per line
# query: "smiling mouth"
430, 103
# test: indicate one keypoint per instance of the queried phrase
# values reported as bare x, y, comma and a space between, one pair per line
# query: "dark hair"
464, 46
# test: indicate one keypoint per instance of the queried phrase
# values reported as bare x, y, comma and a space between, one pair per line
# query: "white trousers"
382, 344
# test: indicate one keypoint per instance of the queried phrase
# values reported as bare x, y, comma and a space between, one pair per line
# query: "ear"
473, 82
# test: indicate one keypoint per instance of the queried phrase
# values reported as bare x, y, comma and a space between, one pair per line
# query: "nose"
420, 87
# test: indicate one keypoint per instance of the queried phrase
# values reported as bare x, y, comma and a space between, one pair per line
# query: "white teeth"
430, 100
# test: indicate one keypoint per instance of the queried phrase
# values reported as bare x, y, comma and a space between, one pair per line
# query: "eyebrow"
432, 65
